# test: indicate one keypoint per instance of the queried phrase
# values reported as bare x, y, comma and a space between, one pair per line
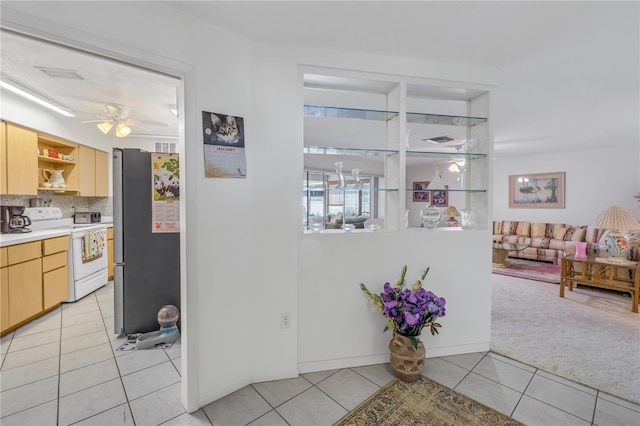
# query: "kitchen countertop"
42, 234
27, 237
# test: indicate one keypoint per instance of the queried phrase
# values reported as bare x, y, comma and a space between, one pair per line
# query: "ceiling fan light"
454, 168
105, 127
122, 130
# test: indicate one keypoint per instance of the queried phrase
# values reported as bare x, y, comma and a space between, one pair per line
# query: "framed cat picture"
223, 137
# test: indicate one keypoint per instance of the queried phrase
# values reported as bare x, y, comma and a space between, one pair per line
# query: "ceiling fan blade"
149, 123
94, 121
134, 124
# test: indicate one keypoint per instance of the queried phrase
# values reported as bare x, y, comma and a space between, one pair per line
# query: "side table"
598, 272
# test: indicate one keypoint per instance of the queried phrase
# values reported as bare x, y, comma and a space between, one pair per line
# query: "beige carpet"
591, 336
423, 402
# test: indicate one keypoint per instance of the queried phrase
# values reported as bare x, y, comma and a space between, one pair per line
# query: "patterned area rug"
423, 402
531, 270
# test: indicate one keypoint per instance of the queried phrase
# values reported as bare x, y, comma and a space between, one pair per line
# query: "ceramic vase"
581, 250
407, 361
617, 246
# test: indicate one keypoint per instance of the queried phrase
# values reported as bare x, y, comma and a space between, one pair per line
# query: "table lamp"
451, 211
616, 218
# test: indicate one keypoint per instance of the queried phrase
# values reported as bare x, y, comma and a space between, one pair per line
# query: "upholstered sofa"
335, 221
550, 242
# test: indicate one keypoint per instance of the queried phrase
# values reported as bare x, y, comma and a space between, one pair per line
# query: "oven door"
89, 248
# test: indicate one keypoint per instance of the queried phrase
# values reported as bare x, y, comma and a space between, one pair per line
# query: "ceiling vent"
440, 139
60, 73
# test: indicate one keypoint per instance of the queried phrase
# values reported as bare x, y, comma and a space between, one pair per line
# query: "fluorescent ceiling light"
35, 99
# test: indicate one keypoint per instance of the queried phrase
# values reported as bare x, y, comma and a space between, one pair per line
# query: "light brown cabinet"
25, 153
24, 279
3, 157
102, 173
94, 172
55, 271
4, 289
110, 261
34, 278
21, 160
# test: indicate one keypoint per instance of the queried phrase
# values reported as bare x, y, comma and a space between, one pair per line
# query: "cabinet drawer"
4, 257
56, 287
55, 245
55, 261
110, 233
23, 252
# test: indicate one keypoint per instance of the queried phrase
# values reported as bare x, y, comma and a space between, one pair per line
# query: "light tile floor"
63, 368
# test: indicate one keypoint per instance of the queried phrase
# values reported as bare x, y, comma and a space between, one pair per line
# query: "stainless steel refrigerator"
147, 264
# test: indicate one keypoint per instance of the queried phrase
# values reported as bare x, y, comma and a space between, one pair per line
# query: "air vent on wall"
60, 73
440, 139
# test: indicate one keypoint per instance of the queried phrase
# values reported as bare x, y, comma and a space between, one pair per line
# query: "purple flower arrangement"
408, 311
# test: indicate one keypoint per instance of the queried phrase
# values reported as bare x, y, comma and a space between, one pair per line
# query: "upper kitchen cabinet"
57, 156
94, 173
21, 161
3, 158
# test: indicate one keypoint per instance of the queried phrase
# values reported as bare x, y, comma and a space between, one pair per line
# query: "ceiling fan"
117, 115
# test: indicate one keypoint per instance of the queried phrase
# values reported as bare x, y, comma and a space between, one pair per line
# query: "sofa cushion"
546, 230
497, 226
515, 228
593, 235
568, 234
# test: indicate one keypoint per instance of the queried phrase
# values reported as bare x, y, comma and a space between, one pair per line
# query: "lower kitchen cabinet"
35, 278
55, 285
4, 298
25, 290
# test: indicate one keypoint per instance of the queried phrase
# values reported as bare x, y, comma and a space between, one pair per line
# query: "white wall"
593, 180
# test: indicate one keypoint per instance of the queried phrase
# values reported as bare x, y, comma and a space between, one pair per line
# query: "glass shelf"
336, 112
441, 154
447, 120
305, 189
326, 150
446, 190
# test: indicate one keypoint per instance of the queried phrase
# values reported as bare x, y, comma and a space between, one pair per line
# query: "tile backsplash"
103, 205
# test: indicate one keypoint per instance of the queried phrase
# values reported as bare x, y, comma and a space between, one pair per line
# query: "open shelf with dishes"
57, 157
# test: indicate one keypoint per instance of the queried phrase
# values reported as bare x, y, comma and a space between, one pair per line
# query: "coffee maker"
13, 220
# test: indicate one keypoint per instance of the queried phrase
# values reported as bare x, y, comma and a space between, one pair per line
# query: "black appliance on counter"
13, 220
147, 264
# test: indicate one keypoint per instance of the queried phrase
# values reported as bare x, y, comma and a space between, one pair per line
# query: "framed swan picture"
536, 191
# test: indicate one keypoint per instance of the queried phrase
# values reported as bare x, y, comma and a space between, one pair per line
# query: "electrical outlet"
285, 320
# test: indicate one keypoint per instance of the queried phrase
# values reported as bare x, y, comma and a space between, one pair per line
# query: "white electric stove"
85, 276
